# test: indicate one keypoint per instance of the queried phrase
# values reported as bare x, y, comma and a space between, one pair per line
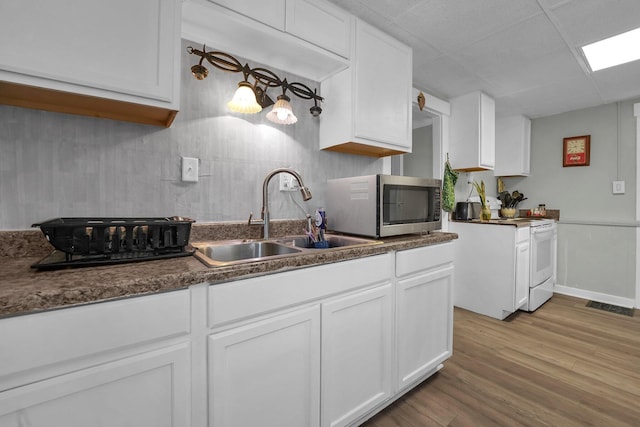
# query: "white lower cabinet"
357, 345
271, 372
425, 321
322, 346
492, 277
523, 251
119, 363
267, 373
424, 306
149, 389
307, 347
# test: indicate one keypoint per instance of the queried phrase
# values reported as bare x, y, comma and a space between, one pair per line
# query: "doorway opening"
425, 159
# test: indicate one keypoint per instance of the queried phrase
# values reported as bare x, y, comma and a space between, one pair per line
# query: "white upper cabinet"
116, 59
367, 108
320, 23
291, 36
472, 132
268, 12
513, 146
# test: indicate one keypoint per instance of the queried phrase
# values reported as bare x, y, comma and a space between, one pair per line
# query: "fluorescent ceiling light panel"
613, 51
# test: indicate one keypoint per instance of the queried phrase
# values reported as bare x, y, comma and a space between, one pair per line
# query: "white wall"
55, 165
420, 161
596, 233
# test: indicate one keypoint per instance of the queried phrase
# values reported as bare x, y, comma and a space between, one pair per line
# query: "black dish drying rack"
98, 241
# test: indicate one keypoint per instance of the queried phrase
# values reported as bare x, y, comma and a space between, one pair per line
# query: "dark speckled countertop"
25, 290
515, 222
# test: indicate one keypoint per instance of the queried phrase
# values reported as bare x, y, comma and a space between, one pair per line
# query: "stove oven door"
543, 253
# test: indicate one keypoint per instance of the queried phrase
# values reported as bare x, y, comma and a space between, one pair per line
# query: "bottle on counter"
321, 226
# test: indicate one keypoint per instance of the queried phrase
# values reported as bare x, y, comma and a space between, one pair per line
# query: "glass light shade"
244, 100
282, 112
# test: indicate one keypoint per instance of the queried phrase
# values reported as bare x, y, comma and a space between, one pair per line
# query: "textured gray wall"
56, 165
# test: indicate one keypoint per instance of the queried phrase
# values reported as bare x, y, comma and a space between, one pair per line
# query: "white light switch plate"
618, 187
189, 169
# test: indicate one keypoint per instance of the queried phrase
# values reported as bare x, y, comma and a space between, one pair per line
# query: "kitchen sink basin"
232, 252
222, 253
334, 241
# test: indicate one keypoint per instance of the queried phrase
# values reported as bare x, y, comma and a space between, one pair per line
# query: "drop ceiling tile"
465, 45
424, 53
554, 3
558, 97
531, 38
618, 83
525, 56
587, 21
507, 106
511, 76
450, 25
421, 48
446, 78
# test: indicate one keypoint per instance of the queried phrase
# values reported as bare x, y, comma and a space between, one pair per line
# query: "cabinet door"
472, 132
55, 342
270, 12
150, 389
513, 146
522, 275
383, 70
320, 23
267, 373
357, 342
424, 306
119, 45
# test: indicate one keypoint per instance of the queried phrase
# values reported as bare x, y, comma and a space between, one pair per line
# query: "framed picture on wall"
576, 151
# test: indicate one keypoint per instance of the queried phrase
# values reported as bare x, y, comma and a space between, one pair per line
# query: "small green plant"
481, 192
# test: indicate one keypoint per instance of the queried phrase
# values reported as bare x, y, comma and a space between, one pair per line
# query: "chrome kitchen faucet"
264, 214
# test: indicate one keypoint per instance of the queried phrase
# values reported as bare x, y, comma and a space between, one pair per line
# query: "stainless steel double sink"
232, 252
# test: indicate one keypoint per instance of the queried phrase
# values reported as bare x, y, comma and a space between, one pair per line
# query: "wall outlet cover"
189, 169
618, 187
288, 182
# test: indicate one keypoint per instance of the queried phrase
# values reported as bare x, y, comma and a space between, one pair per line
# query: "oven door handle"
541, 230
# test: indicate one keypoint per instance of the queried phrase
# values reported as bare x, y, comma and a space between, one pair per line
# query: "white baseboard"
594, 296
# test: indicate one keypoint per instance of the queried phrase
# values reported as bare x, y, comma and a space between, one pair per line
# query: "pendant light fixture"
244, 100
252, 98
282, 113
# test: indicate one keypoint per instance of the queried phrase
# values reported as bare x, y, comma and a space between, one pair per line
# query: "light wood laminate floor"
563, 365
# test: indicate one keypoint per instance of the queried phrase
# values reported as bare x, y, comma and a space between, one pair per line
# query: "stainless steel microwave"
383, 205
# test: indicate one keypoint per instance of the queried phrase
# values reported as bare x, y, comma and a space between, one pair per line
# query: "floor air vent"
611, 308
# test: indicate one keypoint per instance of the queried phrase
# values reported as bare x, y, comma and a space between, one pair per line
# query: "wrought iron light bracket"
263, 78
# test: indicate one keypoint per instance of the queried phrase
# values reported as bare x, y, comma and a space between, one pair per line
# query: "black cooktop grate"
83, 242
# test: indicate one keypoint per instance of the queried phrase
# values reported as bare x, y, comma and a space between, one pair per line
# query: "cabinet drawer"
38, 340
523, 234
243, 299
146, 389
413, 260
